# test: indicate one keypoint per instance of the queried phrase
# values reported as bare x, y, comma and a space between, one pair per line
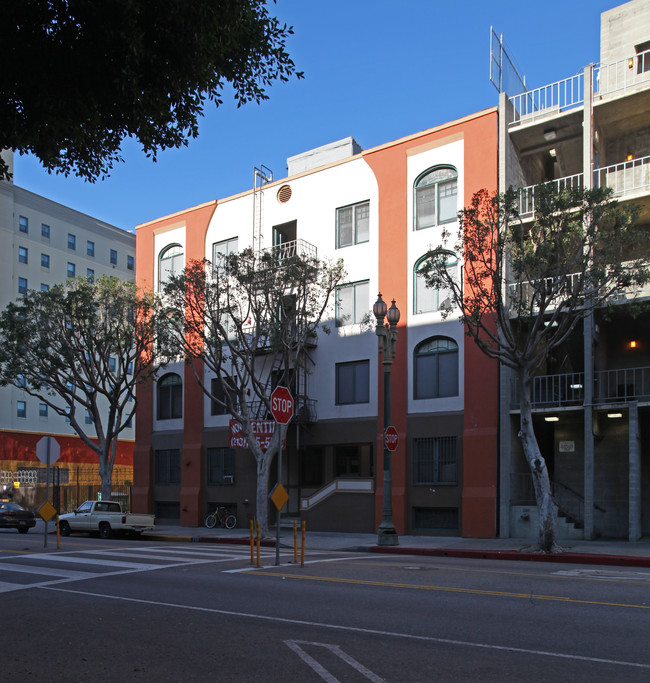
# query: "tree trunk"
262, 494
546, 507
105, 475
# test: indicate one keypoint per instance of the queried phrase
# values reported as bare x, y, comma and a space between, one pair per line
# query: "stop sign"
281, 405
391, 438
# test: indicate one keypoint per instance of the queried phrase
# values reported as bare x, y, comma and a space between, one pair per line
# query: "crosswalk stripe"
49, 571
90, 560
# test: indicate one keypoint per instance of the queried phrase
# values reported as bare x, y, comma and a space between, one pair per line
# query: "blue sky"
374, 69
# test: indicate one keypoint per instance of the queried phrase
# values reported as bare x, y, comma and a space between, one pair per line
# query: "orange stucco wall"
389, 164
196, 221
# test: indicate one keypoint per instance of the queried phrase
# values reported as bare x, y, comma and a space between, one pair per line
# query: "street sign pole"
47, 487
282, 411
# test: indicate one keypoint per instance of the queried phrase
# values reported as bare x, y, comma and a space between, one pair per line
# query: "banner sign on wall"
262, 429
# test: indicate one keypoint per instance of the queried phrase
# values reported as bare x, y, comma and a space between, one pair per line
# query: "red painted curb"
567, 558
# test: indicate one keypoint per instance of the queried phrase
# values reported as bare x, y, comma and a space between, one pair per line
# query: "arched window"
427, 299
170, 262
435, 368
170, 397
435, 197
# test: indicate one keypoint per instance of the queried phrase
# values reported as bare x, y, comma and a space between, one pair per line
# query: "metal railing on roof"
625, 178
527, 194
617, 77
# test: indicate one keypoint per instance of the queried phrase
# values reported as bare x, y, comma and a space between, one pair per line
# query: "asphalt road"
114, 610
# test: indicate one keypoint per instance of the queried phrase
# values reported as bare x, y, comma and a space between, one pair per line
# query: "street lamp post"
387, 337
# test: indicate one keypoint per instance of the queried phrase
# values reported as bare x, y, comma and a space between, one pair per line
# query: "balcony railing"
610, 386
286, 250
522, 294
622, 75
625, 178
527, 194
554, 98
567, 94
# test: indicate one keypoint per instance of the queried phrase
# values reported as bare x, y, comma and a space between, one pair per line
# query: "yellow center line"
451, 589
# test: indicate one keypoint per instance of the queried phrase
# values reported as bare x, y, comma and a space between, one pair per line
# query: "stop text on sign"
281, 405
391, 438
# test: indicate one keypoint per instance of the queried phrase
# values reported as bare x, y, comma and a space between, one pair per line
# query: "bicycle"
221, 516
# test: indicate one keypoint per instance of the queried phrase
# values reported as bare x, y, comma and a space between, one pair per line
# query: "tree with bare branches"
527, 283
249, 320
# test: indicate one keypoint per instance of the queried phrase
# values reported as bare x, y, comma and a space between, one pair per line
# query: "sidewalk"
614, 552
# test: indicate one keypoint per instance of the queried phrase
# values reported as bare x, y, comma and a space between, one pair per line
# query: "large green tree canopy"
78, 76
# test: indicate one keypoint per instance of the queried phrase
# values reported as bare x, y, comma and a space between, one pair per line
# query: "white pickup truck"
105, 518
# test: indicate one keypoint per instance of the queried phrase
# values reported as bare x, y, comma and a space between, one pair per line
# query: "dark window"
217, 390
23, 224
72, 271
90, 248
312, 467
435, 197
435, 519
45, 231
45, 260
44, 287
435, 460
167, 466
90, 274
130, 263
21, 409
353, 382
352, 224
113, 257
170, 397
22, 285
221, 466
22, 254
72, 241
347, 461
435, 368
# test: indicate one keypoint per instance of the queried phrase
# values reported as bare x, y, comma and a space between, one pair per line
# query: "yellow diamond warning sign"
47, 511
279, 496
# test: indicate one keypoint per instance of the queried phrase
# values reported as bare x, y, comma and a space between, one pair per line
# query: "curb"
562, 558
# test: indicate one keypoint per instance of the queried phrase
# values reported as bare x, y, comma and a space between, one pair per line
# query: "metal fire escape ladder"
261, 176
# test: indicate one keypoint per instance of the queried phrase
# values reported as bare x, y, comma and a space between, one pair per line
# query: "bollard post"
252, 544
295, 542
258, 544
302, 547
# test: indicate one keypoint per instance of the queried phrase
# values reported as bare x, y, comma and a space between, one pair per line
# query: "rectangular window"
130, 263
45, 261
90, 248
22, 285
353, 382
347, 461
167, 466
113, 257
71, 269
72, 241
22, 254
435, 460
352, 303
23, 224
42, 409
90, 274
221, 466
21, 409
217, 390
435, 519
221, 250
44, 287
112, 364
352, 224
87, 419
45, 231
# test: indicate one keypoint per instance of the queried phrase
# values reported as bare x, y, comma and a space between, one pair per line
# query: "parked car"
13, 516
105, 518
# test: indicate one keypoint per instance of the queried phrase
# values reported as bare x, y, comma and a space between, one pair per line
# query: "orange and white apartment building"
380, 210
